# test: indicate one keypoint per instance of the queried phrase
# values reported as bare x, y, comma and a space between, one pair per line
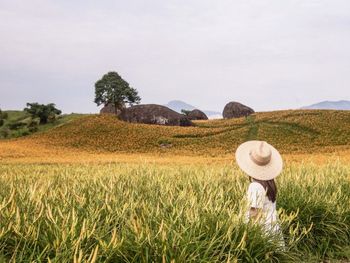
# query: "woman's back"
257, 199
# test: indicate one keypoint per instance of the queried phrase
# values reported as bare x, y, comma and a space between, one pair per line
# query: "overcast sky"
268, 54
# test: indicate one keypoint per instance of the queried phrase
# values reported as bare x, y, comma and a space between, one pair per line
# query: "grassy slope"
300, 131
22, 116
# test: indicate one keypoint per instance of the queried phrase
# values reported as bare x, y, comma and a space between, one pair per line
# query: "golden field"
144, 212
297, 134
96, 189
29, 152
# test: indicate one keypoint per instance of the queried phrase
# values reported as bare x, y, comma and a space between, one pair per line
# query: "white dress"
257, 198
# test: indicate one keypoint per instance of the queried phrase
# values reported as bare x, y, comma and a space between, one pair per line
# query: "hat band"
259, 160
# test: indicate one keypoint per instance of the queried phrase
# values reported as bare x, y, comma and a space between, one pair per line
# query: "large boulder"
154, 114
197, 115
110, 109
236, 110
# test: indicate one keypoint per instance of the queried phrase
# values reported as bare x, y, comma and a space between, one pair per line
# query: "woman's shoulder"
255, 186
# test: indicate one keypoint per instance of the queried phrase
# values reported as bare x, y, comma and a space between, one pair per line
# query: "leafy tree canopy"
112, 89
185, 112
44, 112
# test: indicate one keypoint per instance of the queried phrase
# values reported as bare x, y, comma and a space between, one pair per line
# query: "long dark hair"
270, 188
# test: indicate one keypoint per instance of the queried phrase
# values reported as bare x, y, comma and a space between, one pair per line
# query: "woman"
262, 163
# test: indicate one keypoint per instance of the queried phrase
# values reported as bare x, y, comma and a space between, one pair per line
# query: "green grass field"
167, 213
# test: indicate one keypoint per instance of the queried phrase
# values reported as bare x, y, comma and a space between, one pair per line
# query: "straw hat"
259, 160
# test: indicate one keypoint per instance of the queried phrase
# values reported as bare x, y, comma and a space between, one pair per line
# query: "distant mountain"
178, 105
330, 105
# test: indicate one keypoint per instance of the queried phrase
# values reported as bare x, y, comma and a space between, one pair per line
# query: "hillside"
299, 131
22, 117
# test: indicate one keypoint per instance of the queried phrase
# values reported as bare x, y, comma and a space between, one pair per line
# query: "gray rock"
197, 115
236, 110
154, 114
110, 109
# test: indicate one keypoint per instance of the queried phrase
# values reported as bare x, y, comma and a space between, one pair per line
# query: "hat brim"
260, 172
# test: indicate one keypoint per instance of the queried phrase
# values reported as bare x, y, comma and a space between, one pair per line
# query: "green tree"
43, 112
185, 112
112, 89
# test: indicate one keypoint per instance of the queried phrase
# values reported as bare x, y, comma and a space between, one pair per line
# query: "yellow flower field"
292, 132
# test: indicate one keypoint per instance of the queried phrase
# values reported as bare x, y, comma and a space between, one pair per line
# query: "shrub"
25, 133
4, 115
33, 123
185, 122
16, 125
46, 113
5, 133
33, 129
